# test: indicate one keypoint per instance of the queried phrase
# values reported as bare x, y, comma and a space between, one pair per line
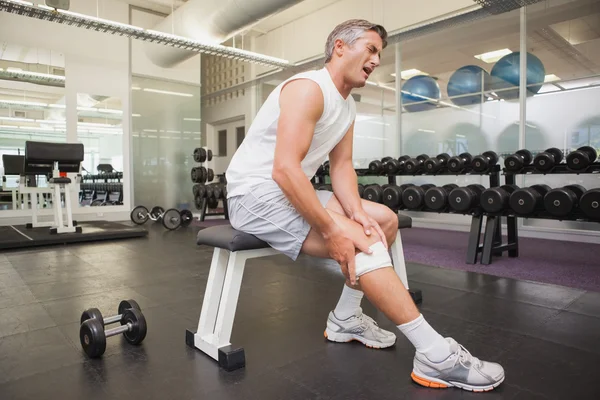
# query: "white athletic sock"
425, 339
349, 302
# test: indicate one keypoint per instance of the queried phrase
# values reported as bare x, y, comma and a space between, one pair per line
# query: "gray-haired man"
306, 119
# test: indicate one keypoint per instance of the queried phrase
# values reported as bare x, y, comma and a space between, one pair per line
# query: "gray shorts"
266, 213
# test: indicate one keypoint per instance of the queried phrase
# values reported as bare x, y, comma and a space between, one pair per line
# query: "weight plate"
386, 159
444, 157
186, 217
413, 197
590, 151
375, 166
92, 338
203, 174
198, 202
455, 164
211, 175
513, 162
557, 153
217, 192
201, 191
406, 185
467, 157
524, 201
526, 155
139, 215
138, 330
404, 158
199, 155
157, 212
494, 200
432, 165
480, 163
450, 187
590, 203
544, 162
422, 157
361, 190
560, 202
492, 156
171, 219
477, 188
412, 165
577, 189
209, 155
461, 199
541, 189
436, 198
126, 304
210, 192
509, 188
392, 166
213, 203
392, 196
91, 313
374, 193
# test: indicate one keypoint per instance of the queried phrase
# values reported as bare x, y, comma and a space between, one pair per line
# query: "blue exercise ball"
470, 79
506, 74
419, 89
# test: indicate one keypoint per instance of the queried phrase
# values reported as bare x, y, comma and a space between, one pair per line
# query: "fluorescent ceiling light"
136, 88
372, 83
57, 106
17, 119
409, 73
149, 130
551, 78
168, 92
51, 121
136, 115
192, 119
110, 111
493, 56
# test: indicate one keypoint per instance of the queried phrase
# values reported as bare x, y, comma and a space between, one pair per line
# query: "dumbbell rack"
492, 244
204, 205
474, 247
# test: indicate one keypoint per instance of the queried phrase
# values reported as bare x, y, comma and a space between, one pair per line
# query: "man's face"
361, 59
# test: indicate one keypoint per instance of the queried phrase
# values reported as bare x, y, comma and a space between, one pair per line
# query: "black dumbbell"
95, 313
590, 204
525, 201
561, 202
326, 187
392, 195
414, 165
484, 162
378, 166
460, 162
495, 199
520, 159
546, 160
374, 193
361, 190
199, 174
466, 198
433, 165
394, 166
436, 198
93, 336
413, 197
581, 158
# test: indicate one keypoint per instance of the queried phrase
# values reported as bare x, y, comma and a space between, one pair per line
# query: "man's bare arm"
343, 176
301, 106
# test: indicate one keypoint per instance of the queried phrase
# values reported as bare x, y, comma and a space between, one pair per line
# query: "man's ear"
339, 47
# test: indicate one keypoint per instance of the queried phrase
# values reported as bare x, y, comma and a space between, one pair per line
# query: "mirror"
100, 129
32, 107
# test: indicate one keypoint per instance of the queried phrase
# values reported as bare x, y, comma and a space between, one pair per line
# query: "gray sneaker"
460, 370
359, 327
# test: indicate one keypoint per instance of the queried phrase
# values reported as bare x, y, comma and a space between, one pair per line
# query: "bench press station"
231, 250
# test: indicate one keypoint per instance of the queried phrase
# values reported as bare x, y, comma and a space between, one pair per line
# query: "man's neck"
338, 81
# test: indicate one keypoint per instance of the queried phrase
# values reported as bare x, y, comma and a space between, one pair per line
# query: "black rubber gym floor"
546, 337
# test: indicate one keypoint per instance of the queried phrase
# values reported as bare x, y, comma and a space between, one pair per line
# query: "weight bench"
231, 250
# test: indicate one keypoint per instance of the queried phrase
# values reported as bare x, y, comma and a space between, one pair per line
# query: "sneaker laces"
465, 358
366, 319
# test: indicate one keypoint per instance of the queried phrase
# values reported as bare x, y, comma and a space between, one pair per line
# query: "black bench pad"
225, 237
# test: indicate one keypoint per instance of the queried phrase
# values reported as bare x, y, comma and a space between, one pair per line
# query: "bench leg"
218, 310
400, 268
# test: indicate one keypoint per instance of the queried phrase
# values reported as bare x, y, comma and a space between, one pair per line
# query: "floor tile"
587, 304
24, 318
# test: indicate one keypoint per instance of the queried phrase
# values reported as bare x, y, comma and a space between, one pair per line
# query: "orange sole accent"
426, 383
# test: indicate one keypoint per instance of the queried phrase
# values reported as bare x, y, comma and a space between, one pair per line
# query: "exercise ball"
470, 79
417, 89
506, 74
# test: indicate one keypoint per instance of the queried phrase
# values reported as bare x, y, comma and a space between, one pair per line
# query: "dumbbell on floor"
413, 197
95, 313
517, 161
436, 198
581, 158
526, 201
589, 204
93, 336
495, 199
561, 202
546, 160
465, 199
433, 165
460, 162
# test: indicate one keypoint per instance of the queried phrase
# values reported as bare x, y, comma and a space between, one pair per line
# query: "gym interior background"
143, 107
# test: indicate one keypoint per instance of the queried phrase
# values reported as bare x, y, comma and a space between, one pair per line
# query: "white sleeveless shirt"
252, 163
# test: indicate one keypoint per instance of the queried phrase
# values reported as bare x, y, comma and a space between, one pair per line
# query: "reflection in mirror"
100, 129
32, 107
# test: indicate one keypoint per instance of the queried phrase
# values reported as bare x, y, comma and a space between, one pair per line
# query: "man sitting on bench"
306, 119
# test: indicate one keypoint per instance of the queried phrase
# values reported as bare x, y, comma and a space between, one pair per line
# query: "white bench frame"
223, 289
